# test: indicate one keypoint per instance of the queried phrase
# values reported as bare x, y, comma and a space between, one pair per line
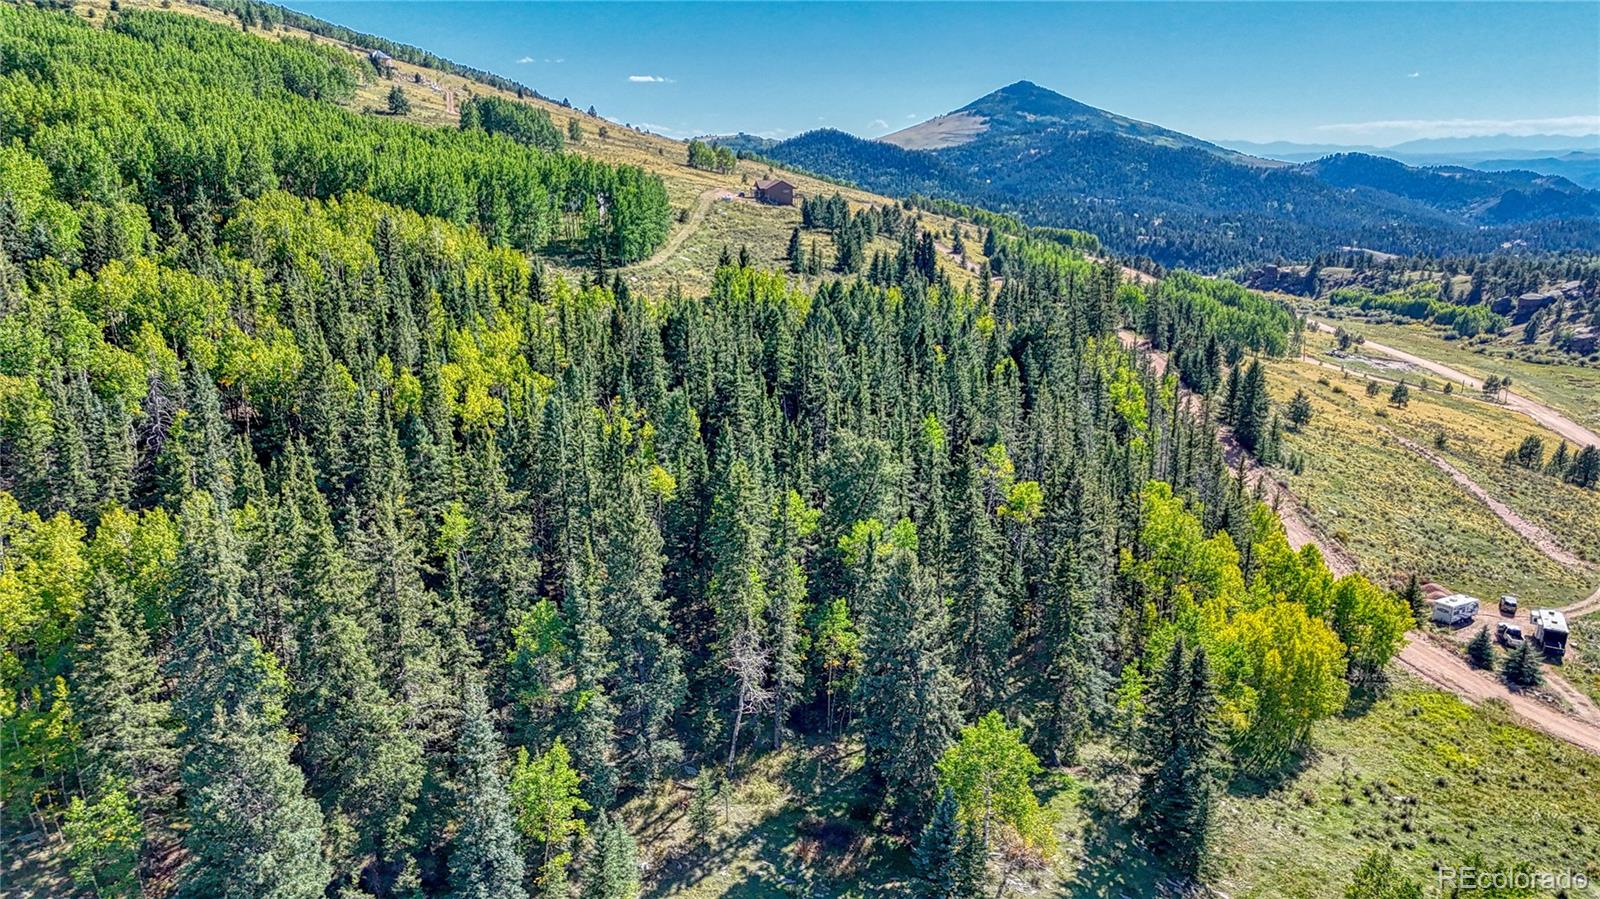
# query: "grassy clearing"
1477, 435
1425, 776
1398, 513
1553, 379
1581, 667
1419, 773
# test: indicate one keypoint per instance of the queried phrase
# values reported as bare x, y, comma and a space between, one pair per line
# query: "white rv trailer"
1454, 610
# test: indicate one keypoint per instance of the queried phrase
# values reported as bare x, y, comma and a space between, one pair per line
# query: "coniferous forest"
347, 550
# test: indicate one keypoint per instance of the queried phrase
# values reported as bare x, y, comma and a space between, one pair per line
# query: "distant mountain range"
1147, 190
1508, 146
1576, 158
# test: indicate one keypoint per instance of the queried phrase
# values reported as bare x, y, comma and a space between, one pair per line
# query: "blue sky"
1344, 72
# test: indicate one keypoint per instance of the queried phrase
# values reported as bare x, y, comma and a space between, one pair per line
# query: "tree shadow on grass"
1115, 864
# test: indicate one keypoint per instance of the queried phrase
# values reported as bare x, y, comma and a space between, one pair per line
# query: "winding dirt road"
1539, 412
1445, 669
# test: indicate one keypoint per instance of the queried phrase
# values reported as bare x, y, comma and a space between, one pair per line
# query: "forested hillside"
344, 550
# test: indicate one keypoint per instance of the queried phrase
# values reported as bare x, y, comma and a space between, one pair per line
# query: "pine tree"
645, 665
909, 695
703, 822
1400, 395
126, 732
786, 606
485, 858
738, 596
252, 830
795, 254
938, 852
591, 725
1176, 792
980, 625
1522, 668
1480, 652
1585, 470
1299, 410
362, 763
613, 869
399, 104
1253, 412
1411, 594
1560, 461
972, 864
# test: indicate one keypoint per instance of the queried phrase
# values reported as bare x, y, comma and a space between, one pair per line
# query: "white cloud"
880, 124
1414, 75
649, 79
911, 116
558, 60
524, 60
1404, 129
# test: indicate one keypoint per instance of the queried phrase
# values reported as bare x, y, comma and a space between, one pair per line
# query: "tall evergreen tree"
909, 694
485, 857
363, 764
1177, 790
938, 854
613, 869
252, 830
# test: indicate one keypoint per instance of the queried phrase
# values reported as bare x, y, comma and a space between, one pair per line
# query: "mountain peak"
1026, 113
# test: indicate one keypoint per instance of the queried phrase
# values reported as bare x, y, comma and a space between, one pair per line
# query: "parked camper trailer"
1454, 610
1550, 631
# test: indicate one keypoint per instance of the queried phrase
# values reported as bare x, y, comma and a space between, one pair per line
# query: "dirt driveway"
1539, 412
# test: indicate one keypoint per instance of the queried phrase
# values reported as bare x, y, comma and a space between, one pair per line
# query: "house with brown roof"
775, 191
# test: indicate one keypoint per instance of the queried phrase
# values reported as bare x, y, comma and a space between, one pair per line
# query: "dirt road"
1448, 671
1540, 538
1539, 412
702, 204
1439, 666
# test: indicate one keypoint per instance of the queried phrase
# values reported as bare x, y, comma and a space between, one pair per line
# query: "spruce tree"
486, 856
613, 869
1480, 652
1252, 413
736, 539
1411, 594
591, 718
1522, 668
938, 856
252, 830
646, 666
1585, 469
980, 622
909, 695
1400, 395
125, 721
1176, 791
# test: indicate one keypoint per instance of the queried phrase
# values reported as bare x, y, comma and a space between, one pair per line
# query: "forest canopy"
347, 550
